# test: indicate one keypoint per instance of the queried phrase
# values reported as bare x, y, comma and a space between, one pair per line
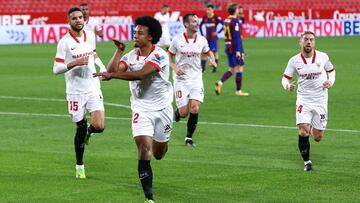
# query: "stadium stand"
37, 6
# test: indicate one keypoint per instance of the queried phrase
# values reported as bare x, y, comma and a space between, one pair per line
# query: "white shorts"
164, 40
79, 104
157, 124
185, 90
316, 115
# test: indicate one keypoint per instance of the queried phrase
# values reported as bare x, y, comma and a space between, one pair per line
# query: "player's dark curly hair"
73, 9
154, 26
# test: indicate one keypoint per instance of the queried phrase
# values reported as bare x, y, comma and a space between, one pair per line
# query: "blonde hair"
306, 32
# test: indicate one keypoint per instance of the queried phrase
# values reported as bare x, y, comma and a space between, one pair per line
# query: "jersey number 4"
299, 108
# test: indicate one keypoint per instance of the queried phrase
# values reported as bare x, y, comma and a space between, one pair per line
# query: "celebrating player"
147, 69
187, 48
315, 75
76, 58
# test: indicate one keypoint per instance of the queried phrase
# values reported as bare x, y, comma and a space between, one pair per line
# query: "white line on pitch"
204, 123
57, 100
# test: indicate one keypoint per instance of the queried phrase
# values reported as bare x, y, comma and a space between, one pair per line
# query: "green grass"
232, 163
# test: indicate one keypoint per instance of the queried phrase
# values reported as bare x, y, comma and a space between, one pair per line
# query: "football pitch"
246, 146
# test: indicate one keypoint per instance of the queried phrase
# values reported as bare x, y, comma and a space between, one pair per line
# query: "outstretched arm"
141, 74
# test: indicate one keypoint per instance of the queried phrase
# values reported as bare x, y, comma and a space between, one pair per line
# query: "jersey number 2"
136, 118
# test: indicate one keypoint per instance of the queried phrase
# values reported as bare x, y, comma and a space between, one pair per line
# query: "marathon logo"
82, 55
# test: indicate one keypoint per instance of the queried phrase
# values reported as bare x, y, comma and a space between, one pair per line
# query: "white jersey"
79, 80
164, 21
155, 92
92, 24
311, 74
187, 54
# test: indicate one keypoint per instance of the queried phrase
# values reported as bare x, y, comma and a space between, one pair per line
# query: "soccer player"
315, 74
234, 51
76, 58
187, 48
211, 22
147, 69
91, 23
241, 16
164, 17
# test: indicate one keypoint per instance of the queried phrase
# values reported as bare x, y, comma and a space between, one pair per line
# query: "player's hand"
119, 44
103, 75
213, 63
238, 55
327, 84
82, 61
291, 86
179, 71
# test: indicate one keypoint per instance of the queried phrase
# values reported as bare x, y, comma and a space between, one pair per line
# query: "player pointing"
315, 74
147, 69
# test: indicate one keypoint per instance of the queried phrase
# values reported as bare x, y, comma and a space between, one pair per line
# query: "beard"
307, 49
77, 29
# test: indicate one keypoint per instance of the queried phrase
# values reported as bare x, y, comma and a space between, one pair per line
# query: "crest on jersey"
158, 58
318, 64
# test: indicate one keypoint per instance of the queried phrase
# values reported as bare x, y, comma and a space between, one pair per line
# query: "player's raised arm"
114, 63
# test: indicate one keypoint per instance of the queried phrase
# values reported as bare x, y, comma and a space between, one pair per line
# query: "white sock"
79, 166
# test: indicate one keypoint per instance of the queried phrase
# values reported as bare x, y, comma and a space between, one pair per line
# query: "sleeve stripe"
287, 77
125, 64
155, 65
207, 52
60, 60
329, 71
172, 54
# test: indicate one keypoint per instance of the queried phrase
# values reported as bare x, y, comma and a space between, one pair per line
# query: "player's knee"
81, 124
183, 112
194, 109
144, 151
98, 128
303, 132
318, 135
159, 156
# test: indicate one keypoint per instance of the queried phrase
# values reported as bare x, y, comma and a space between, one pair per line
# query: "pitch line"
203, 123
58, 100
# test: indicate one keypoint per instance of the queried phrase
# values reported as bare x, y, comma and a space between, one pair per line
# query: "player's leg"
319, 122
303, 120
76, 109
214, 49
232, 61
97, 124
181, 91
95, 106
163, 128
238, 80
192, 122
144, 146
143, 131
216, 54
79, 139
